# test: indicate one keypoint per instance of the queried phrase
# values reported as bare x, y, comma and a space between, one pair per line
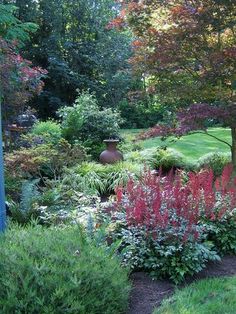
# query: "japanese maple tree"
187, 50
19, 79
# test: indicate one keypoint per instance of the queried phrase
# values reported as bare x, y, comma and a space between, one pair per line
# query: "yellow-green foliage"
104, 179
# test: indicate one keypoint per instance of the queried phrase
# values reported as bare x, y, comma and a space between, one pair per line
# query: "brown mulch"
148, 294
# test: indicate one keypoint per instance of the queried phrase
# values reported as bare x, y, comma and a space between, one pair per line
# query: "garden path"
148, 294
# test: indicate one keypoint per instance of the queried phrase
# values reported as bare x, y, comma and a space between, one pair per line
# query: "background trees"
78, 49
19, 80
187, 50
73, 44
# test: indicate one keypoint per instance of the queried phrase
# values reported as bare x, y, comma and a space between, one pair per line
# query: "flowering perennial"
158, 203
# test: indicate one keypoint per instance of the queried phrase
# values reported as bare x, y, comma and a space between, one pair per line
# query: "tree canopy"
11, 28
187, 51
73, 43
185, 48
19, 80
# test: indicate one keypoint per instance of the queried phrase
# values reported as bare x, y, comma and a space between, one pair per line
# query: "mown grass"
210, 296
192, 146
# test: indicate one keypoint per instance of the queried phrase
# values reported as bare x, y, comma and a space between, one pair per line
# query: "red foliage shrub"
20, 81
162, 203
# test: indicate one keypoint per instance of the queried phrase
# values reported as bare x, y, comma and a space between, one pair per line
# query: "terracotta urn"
111, 155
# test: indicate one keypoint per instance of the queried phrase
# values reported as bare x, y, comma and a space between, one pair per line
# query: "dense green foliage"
84, 122
214, 161
208, 296
140, 113
104, 179
223, 234
11, 28
74, 45
59, 271
48, 131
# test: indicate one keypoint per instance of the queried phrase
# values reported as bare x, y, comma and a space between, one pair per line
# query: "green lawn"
192, 146
211, 296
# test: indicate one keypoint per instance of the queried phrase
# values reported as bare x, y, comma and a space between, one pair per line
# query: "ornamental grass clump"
167, 221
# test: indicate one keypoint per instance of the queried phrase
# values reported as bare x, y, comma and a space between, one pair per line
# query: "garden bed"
148, 293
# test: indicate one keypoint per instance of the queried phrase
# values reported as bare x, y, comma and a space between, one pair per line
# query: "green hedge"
58, 271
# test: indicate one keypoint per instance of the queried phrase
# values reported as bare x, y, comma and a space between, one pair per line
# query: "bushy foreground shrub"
59, 271
171, 227
214, 161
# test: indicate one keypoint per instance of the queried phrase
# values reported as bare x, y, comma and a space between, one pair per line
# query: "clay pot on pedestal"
111, 155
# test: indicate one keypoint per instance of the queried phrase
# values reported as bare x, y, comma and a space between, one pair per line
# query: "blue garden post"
2, 189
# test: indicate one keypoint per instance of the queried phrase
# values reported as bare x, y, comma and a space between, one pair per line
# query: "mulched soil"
148, 294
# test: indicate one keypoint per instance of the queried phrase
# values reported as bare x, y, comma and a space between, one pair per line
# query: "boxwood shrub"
58, 271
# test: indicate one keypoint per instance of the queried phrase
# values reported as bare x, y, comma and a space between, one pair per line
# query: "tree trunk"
233, 148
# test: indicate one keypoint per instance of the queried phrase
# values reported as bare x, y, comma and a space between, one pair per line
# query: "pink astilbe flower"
157, 202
